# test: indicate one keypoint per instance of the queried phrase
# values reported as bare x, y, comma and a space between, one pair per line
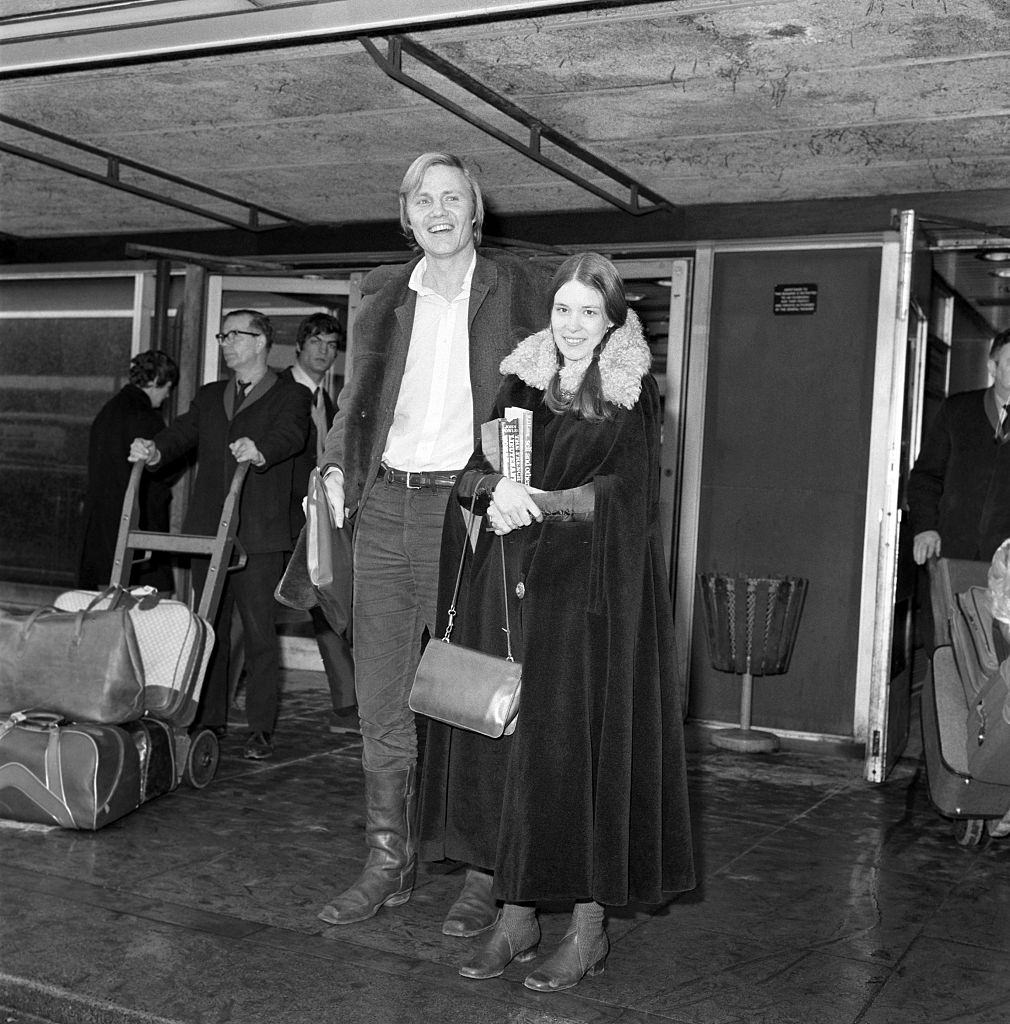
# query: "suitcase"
175, 646
988, 635
988, 730
976, 660
83, 665
978, 644
81, 776
953, 687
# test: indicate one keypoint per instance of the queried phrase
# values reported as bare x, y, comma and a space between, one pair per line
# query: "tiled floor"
823, 900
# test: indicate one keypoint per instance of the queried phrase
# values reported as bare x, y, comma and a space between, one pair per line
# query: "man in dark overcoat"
135, 411
428, 340
959, 490
255, 417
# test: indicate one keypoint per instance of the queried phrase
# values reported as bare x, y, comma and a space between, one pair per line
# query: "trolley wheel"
201, 762
968, 831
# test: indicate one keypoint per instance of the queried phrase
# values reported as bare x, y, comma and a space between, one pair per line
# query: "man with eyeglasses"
429, 337
253, 416
319, 338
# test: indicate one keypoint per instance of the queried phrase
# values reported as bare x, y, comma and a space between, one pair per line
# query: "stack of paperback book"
508, 442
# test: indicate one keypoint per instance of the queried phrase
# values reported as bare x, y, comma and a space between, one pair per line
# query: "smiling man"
428, 341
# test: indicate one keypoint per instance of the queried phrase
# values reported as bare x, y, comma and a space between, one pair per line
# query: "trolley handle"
219, 546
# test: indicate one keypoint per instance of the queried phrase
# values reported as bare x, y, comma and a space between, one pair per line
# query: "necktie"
1003, 430
319, 419
240, 393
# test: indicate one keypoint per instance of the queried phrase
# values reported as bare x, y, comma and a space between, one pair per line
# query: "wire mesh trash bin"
751, 624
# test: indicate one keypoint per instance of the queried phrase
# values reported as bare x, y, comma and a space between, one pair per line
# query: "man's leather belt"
418, 481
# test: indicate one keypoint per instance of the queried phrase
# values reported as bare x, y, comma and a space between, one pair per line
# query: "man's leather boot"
388, 876
475, 910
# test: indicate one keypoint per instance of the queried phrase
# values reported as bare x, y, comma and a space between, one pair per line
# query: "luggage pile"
98, 694
966, 705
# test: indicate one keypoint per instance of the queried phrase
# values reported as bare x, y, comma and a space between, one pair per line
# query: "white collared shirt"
318, 411
302, 377
432, 428
1002, 414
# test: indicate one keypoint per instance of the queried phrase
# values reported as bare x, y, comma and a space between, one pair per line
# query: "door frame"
897, 405
679, 272
875, 623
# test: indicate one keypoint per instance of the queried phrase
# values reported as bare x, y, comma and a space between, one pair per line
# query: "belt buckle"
414, 487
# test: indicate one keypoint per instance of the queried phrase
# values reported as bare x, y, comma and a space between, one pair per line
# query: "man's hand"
245, 450
925, 545
333, 486
142, 450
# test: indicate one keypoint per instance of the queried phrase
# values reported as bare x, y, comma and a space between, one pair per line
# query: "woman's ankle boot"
516, 936
582, 951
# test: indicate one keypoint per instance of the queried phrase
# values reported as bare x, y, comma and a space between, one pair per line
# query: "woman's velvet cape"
588, 799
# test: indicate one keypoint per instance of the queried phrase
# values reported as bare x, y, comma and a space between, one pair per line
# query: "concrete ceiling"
723, 105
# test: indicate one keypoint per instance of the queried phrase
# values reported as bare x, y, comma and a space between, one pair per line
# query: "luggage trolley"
966, 753
196, 750
59, 767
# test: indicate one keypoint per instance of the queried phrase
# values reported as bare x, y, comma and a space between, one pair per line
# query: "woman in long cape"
587, 800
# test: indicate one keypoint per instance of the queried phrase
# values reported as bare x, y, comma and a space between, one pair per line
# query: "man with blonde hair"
428, 340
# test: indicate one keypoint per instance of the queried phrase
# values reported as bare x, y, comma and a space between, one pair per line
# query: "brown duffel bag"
84, 666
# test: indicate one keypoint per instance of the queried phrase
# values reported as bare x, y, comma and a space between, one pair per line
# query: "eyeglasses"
320, 342
233, 335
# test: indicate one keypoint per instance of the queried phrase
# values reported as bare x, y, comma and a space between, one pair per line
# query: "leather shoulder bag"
466, 688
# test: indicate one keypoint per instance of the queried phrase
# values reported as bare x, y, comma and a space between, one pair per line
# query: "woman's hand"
511, 507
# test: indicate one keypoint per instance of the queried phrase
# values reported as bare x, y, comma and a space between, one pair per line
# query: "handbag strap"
506, 629
505, 602
459, 572
119, 596
29, 624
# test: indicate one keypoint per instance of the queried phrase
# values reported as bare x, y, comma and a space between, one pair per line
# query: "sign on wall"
792, 299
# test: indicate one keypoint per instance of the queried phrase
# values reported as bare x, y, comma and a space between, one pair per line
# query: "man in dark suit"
254, 417
319, 338
959, 490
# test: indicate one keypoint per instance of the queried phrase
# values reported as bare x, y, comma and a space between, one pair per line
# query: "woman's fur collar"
623, 363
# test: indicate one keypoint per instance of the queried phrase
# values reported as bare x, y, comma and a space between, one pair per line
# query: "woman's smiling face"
578, 320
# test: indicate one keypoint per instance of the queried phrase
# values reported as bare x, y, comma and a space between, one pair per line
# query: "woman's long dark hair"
596, 272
